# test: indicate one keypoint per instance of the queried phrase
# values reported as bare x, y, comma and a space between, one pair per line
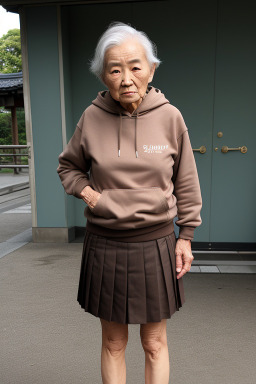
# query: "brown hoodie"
143, 165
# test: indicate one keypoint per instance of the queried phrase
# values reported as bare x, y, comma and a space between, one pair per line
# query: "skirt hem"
164, 316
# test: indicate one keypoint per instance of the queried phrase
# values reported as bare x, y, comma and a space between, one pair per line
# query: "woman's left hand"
184, 257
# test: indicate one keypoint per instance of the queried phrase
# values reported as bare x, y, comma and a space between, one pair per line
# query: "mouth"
128, 93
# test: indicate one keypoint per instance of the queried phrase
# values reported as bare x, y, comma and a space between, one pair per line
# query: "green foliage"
6, 136
6, 127
10, 52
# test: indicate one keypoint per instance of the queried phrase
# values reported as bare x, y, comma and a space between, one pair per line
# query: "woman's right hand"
90, 196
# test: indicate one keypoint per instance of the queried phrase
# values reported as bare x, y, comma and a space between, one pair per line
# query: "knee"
114, 337
116, 345
152, 346
153, 338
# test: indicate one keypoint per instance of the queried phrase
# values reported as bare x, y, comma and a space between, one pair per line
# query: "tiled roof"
11, 81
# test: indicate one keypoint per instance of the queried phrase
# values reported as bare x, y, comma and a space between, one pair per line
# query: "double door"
229, 187
208, 71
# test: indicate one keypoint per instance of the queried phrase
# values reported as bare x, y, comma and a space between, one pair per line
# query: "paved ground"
47, 338
10, 182
15, 213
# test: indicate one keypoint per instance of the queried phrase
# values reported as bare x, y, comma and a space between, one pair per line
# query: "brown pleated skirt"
129, 283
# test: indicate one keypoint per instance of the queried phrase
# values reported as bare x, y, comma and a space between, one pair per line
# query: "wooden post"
15, 137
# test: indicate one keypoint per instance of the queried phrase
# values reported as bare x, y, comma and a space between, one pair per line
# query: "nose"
126, 79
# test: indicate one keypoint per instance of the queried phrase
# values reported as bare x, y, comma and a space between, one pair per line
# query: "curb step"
13, 188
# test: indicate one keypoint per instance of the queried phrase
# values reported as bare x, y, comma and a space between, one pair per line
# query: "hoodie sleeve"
74, 165
186, 188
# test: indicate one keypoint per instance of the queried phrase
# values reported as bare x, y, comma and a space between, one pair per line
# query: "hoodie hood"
152, 99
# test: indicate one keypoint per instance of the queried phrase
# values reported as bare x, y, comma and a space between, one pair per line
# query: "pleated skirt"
129, 283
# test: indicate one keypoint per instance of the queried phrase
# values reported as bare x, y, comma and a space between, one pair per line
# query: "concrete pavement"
47, 338
10, 182
15, 212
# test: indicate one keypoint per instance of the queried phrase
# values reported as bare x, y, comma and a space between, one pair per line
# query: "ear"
152, 72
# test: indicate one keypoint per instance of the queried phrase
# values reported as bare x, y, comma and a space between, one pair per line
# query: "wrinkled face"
127, 73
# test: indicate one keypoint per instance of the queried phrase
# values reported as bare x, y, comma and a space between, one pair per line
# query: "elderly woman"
130, 160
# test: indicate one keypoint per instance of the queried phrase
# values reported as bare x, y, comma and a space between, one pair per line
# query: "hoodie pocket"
133, 205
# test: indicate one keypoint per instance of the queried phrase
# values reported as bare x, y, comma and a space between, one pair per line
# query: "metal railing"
16, 156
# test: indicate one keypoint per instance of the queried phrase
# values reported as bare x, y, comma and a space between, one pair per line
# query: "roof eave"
11, 8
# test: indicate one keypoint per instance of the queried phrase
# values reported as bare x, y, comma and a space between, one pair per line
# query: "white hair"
116, 33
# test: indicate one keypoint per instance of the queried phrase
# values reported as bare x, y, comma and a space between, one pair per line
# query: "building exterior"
208, 72
11, 97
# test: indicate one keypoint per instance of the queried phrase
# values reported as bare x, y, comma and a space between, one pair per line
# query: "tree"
10, 52
6, 127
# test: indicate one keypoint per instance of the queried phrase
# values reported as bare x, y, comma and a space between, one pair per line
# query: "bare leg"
154, 342
114, 341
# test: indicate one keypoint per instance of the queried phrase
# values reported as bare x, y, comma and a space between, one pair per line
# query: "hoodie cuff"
186, 233
79, 186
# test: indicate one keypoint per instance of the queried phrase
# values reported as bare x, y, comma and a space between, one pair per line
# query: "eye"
136, 68
115, 70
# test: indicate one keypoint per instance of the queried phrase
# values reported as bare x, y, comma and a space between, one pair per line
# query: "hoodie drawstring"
119, 135
136, 150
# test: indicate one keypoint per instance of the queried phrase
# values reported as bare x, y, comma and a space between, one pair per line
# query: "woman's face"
126, 69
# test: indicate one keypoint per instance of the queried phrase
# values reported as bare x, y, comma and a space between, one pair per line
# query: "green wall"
70, 125
41, 24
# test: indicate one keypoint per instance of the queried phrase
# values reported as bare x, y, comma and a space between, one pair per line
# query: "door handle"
202, 149
242, 149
